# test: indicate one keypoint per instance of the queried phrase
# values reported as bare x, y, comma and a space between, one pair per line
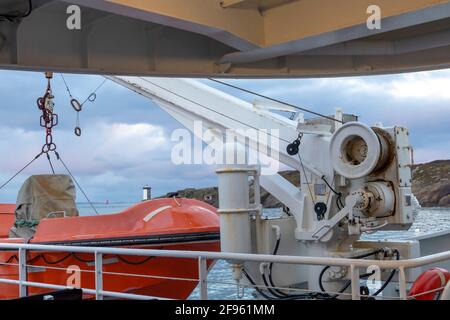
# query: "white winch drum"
384, 199
356, 150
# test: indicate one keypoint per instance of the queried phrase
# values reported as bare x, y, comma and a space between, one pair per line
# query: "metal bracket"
325, 226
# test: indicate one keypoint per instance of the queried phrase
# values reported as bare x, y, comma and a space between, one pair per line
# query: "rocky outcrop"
431, 183
431, 186
210, 195
269, 201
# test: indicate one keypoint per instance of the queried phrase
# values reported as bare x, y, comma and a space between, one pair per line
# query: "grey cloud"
113, 168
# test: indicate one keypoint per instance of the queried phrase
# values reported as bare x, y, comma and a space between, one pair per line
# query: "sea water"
220, 283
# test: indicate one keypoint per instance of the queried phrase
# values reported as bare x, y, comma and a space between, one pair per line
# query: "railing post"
23, 273
202, 278
402, 283
98, 275
354, 273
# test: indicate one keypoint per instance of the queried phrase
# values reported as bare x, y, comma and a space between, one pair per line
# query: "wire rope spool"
356, 150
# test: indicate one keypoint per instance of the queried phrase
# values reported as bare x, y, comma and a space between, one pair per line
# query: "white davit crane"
354, 178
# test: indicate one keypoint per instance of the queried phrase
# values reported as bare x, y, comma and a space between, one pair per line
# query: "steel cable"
76, 182
275, 100
20, 171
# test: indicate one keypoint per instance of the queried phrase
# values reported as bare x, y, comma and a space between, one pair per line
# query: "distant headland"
431, 186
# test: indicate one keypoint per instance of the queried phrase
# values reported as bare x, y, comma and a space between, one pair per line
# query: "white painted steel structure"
353, 264
368, 166
262, 38
226, 38
307, 243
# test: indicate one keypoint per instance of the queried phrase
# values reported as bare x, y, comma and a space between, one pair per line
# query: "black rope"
76, 182
331, 296
362, 276
40, 256
74, 255
54, 262
134, 262
33, 259
275, 100
389, 279
339, 203
82, 260
309, 295
329, 186
271, 287
306, 296
272, 290
262, 293
20, 171
10, 259
275, 251
280, 293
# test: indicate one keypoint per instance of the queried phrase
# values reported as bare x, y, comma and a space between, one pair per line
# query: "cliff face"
431, 183
431, 186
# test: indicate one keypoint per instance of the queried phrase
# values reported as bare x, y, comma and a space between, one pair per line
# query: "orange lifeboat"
169, 224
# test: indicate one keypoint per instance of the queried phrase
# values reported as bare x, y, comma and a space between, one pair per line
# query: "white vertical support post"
235, 208
354, 273
339, 116
202, 278
257, 191
23, 289
98, 275
402, 283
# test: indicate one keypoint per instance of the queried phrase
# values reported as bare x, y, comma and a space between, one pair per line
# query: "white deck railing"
353, 264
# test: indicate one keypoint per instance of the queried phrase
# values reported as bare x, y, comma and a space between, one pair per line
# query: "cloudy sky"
126, 138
